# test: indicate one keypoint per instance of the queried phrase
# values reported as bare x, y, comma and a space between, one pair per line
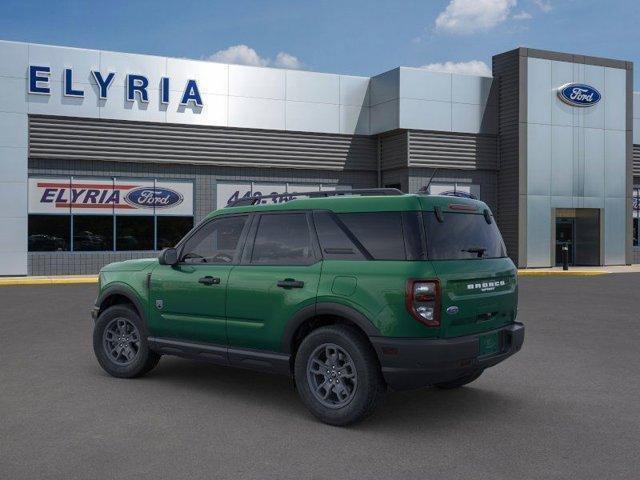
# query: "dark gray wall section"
636, 161
205, 179
115, 140
452, 150
394, 150
506, 72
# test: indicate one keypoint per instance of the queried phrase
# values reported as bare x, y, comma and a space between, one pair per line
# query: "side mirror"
168, 256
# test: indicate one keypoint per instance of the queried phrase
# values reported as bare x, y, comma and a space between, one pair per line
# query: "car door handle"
290, 283
208, 280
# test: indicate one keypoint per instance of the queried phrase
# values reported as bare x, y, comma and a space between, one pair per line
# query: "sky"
348, 36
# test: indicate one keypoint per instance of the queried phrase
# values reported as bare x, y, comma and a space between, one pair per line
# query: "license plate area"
489, 344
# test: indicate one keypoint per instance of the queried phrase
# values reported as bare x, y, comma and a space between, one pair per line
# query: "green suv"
349, 293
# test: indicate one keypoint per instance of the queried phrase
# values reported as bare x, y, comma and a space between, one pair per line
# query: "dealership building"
108, 156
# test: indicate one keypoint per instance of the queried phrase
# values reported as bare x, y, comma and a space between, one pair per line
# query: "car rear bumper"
417, 362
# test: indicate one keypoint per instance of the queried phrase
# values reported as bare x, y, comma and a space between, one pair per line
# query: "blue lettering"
114, 198
103, 83
47, 196
75, 194
164, 90
191, 93
61, 198
137, 83
68, 85
39, 80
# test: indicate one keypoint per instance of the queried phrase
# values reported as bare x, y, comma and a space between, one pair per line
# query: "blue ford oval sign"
149, 197
579, 95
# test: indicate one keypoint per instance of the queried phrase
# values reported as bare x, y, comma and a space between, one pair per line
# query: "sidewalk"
49, 280
578, 271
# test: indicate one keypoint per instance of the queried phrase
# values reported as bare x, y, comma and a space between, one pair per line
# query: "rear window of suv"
462, 236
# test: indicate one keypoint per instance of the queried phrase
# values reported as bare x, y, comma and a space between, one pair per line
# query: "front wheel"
120, 343
337, 375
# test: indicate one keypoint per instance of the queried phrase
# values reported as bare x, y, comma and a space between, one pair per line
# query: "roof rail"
315, 194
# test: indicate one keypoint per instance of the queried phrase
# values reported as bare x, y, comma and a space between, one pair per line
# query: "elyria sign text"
136, 86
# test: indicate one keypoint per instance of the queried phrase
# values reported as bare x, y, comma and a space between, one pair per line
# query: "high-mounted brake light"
462, 206
423, 301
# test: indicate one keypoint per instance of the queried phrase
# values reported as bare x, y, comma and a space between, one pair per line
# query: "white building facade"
106, 156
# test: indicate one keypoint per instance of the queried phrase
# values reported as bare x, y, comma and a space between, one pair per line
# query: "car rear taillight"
423, 301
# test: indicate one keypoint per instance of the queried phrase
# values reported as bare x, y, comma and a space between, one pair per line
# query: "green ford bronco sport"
347, 292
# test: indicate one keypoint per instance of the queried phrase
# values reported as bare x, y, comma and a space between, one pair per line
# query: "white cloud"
245, 55
473, 67
469, 16
522, 16
543, 5
286, 60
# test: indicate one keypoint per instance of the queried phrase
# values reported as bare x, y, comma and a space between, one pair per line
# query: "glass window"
462, 236
92, 233
134, 233
172, 229
379, 232
334, 241
215, 242
49, 233
282, 239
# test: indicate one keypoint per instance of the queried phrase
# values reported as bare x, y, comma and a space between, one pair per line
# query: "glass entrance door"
565, 229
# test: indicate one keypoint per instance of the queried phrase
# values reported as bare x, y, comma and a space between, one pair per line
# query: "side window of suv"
215, 242
334, 239
282, 239
380, 233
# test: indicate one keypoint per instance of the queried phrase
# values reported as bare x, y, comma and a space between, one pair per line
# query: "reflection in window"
49, 233
172, 229
282, 239
134, 233
215, 242
92, 233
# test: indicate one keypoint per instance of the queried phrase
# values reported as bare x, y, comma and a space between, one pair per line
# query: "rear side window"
380, 233
282, 239
334, 239
462, 236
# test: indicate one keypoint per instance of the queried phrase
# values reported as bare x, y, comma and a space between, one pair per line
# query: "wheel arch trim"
125, 291
325, 308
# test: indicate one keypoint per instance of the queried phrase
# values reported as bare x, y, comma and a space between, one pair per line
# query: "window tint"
49, 233
215, 242
462, 236
134, 233
282, 239
172, 229
334, 242
92, 233
379, 232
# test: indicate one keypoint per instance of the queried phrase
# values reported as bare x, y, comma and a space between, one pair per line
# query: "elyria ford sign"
579, 95
136, 86
153, 198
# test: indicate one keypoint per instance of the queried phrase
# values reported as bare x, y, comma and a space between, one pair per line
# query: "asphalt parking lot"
567, 406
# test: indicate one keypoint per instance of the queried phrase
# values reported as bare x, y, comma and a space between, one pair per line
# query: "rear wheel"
120, 343
460, 382
337, 375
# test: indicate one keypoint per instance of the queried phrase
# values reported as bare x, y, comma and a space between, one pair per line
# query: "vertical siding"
506, 71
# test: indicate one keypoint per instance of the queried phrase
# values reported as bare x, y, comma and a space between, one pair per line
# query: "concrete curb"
562, 273
52, 280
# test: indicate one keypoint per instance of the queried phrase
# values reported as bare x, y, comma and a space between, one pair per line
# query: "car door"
188, 299
278, 275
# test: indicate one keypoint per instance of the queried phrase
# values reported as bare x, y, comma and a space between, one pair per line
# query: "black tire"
460, 382
142, 358
369, 386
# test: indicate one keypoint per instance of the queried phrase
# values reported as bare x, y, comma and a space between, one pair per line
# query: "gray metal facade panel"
394, 150
453, 150
114, 140
636, 160
506, 71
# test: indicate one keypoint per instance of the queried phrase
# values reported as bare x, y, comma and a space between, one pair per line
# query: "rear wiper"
477, 250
